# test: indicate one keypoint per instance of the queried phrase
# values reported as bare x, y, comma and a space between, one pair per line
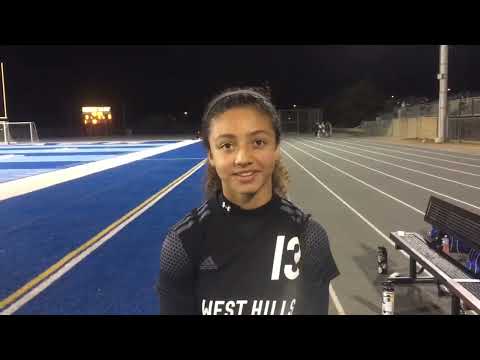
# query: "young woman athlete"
246, 250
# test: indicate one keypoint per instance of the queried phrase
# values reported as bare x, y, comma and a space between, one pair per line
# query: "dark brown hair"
243, 97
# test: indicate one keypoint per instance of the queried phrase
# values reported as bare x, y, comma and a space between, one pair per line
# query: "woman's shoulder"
182, 238
294, 212
315, 233
317, 252
193, 220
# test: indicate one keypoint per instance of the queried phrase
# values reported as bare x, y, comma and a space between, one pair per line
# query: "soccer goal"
18, 132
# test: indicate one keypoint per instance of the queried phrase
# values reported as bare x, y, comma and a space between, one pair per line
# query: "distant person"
318, 129
322, 128
247, 249
328, 128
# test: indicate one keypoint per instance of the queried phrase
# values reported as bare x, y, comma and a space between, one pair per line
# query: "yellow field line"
38, 279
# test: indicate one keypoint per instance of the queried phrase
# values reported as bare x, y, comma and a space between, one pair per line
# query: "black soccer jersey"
221, 259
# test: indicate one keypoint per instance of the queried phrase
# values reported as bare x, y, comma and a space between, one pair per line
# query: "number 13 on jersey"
277, 259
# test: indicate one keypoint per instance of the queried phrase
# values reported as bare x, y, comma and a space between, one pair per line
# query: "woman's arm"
319, 269
175, 285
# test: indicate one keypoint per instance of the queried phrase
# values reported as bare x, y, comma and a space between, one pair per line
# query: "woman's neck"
250, 201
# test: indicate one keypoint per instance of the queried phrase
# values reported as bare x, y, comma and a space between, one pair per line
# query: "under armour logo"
224, 205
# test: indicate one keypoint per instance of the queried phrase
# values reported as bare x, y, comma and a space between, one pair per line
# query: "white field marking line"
5, 157
399, 166
429, 157
336, 301
187, 158
379, 232
415, 149
22, 186
361, 181
400, 158
399, 179
74, 261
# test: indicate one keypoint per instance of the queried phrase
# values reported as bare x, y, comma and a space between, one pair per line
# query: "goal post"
3, 97
18, 132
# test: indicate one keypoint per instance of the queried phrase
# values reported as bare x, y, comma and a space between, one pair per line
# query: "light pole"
443, 96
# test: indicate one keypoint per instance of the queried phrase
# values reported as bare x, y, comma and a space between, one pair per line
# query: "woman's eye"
259, 142
226, 146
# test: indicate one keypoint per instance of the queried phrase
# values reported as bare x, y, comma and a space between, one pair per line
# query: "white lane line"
401, 158
415, 149
395, 165
429, 157
397, 178
386, 238
336, 301
73, 262
331, 291
363, 218
360, 181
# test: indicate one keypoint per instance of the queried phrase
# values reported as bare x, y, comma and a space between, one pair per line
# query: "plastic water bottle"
388, 298
382, 260
445, 247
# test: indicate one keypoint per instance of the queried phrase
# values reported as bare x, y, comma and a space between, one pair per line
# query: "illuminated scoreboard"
97, 120
96, 114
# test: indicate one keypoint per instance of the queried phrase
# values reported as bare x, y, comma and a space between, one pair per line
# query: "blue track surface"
38, 165
13, 148
75, 147
119, 277
17, 162
9, 175
38, 229
73, 153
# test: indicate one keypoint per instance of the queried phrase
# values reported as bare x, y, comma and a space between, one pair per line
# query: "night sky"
45, 83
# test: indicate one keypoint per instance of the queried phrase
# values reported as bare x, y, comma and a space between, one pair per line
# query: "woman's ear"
277, 153
210, 159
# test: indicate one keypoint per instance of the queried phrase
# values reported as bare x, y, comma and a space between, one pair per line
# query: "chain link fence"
421, 121
299, 121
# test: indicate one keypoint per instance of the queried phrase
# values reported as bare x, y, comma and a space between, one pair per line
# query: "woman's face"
243, 151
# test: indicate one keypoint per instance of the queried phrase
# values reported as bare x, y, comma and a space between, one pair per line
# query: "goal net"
18, 132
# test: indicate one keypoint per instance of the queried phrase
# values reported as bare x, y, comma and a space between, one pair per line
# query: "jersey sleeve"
175, 286
319, 268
